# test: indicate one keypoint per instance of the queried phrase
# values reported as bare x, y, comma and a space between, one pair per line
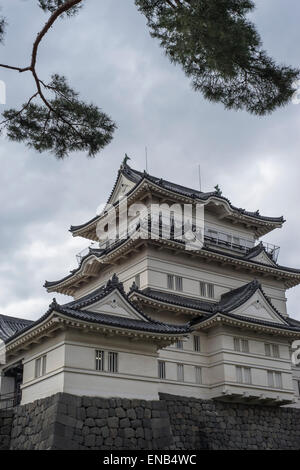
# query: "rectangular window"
161, 369
198, 375
245, 345
196, 343
137, 280
178, 283
272, 350
170, 281
179, 344
274, 379
270, 379
236, 343
239, 374
99, 360
180, 373
241, 345
40, 366
37, 368
275, 350
298, 387
210, 291
268, 349
278, 380
202, 289
113, 362
44, 365
243, 375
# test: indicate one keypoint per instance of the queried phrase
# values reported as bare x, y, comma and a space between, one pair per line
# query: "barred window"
44, 365
100, 360
202, 289
180, 373
161, 369
196, 343
179, 344
245, 345
178, 283
298, 387
170, 281
198, 375
210, 291
275, 350
112, 362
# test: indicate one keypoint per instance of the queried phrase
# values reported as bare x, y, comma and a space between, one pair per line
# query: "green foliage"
52, 5
69, 125
221, 51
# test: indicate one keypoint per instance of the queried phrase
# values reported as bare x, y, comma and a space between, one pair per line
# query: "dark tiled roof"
179, 300
137, 176
100, 252
11, 325
257, 250
229, 301
74, 310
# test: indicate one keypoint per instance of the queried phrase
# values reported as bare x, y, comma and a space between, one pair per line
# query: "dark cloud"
109, 57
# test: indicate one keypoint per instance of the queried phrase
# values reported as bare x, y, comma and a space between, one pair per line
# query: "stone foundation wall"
68, 422
199, 424
6, 420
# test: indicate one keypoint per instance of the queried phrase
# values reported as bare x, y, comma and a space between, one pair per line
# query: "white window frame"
241, 345
198, 375
179, 344
274, 379
243, 375
178, 284
162, 370
100, 360
210, 290
197, 343
180, 372
112, 362
40, 366
170, 281
202, 287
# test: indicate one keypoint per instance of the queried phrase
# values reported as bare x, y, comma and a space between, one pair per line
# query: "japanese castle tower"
150, 316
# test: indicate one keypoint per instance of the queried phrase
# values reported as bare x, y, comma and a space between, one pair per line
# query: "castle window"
178, 283
113, 362
207, 290
137, 280
40, 366
161, 369
241, 345
298, 382
170, 281
180, 373
274, 379
210, 291
243, 375
202, 289
198, 375
179, 344
272, 350
196, 339
99, 360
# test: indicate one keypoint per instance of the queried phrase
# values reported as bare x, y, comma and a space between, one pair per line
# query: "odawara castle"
172, 302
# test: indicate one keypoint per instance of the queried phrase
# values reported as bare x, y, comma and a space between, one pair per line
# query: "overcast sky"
108, 56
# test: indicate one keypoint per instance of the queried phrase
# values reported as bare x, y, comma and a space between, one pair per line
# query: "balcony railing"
10, 400
164, 229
